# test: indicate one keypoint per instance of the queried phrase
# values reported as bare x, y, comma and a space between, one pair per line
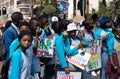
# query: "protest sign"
45, 48
80, 60
71, 75
118, 53
95, 50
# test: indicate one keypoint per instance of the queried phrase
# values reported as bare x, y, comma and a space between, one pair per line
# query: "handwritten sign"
80, 60
118, 53
95, 50
71, 75
45, 48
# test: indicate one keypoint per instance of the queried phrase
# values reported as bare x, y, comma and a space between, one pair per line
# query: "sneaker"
98, 72
93, 73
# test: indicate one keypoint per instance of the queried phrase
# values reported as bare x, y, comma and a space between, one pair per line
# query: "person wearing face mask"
89, 35
106, 37
95, 22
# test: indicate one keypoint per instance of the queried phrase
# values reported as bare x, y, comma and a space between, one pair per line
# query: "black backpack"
5, 69
2, 48
6, 62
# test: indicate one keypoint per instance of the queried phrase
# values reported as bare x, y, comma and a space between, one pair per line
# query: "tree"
118, 7
104, 10
49, 9
47, 6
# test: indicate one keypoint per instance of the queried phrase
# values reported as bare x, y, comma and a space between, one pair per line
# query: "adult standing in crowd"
12, 32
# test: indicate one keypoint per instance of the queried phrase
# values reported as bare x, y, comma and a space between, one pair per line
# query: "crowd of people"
21, 38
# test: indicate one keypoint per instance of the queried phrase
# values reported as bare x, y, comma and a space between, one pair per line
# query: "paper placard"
118, 53
45, 48
71, 75
95, 50
79, 59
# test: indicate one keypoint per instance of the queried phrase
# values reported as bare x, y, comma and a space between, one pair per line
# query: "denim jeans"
104, 62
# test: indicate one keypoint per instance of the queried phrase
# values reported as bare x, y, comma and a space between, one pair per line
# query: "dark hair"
24, 23
115, 28
86, 23
32, 20
118, 19
16, 16
56, 27
64, 24
24, 32
94, 17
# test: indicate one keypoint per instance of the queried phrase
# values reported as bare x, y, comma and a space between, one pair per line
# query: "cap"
54, 19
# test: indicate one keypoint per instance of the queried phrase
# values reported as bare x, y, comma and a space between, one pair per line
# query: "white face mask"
117, 36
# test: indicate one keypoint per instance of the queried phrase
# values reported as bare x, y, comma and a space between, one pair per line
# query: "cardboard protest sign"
45, 48
80, 60
117, 49
95, 50
71, 75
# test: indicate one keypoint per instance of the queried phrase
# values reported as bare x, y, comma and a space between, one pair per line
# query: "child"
101, 33
59, 60
22, 26
89, 36
20, 66
113, 68
75, 40
25, 26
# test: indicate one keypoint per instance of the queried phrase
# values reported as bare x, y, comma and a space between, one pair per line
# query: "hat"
54, 19
71, 27
103, 21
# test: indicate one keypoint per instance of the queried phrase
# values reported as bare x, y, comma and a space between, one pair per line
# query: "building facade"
15, 5
73, 5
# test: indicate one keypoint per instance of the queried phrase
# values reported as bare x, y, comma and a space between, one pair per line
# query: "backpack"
3, 53
5, 68
6, 62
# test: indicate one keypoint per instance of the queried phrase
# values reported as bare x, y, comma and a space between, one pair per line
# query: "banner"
95, 50
63, 6
80, 60
71, 75
45, 48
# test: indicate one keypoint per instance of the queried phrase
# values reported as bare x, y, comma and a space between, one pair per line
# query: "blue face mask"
109, 30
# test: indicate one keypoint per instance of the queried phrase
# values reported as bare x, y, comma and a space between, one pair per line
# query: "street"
97, 77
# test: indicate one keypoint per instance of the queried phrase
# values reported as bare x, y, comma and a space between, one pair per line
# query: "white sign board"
80, 60
71, 75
